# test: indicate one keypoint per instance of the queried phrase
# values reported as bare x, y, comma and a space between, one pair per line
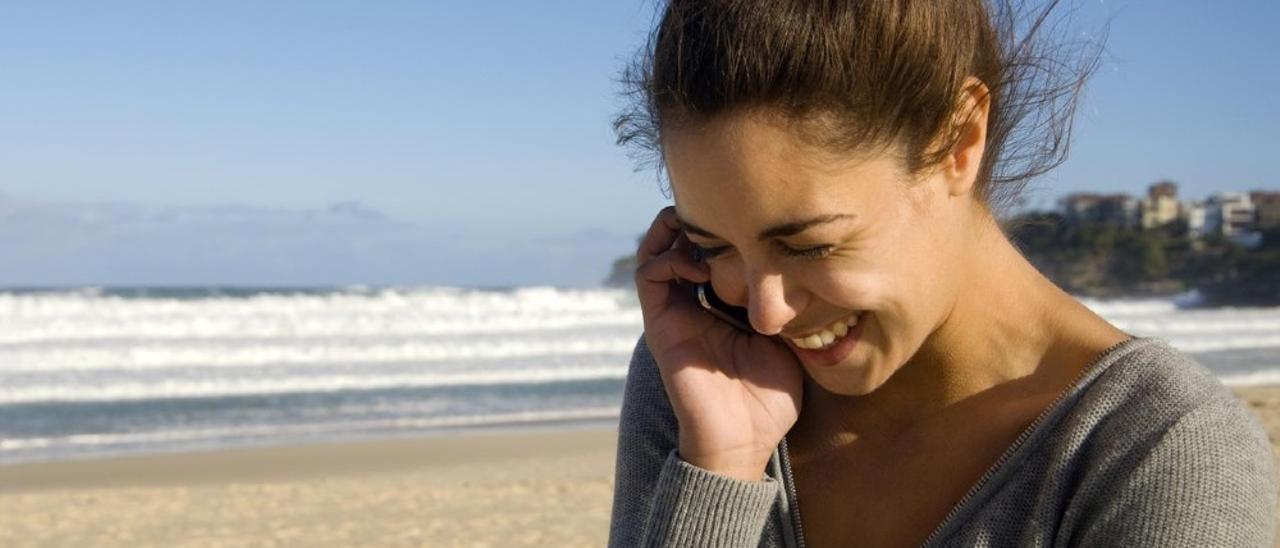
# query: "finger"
672, 266
662, 233
654, 279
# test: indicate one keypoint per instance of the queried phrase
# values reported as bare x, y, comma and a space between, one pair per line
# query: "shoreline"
302, 461
345, 438
342, 455
552, 487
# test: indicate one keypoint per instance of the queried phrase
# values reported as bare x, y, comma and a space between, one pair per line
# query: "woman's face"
746, 189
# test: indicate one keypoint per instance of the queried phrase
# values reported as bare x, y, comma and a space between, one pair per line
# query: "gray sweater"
1146, 448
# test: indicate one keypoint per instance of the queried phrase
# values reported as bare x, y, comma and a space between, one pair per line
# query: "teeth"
827, 336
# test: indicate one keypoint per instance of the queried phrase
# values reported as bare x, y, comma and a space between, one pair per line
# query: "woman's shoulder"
1158, 449
1148, 382
645, 406
643, 379
1151, 399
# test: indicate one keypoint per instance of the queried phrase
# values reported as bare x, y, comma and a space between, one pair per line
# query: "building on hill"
1120, 210
1229, 214
1161, 206
1235, 215
1193, 212
1266, 206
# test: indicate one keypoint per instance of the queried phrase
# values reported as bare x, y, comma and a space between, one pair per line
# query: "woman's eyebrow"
777, 231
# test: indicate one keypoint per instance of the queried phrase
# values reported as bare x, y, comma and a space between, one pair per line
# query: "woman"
836, 169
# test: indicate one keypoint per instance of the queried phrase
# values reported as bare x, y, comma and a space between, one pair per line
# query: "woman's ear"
960, 167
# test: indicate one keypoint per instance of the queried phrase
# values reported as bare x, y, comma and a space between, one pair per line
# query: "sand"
497, 489
526, 489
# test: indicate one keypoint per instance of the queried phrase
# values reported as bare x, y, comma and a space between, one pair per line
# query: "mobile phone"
713, 304
733, 315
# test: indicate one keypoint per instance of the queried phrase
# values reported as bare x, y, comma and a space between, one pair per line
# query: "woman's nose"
767, 305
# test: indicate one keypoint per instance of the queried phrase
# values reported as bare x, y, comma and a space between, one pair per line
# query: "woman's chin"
845, 379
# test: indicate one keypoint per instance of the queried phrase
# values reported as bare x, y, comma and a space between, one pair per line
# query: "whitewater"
90, 372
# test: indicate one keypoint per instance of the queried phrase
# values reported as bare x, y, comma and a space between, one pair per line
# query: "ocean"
89, 372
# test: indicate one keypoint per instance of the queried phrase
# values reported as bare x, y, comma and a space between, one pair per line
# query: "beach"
511, 489
541, 488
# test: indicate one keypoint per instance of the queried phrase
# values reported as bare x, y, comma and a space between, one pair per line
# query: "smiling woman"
838, 169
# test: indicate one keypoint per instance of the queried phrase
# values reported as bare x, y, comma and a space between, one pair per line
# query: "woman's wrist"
746, 469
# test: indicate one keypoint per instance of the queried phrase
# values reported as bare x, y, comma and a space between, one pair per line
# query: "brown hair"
860, 74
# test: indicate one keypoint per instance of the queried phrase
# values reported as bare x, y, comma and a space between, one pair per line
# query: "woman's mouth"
832, 344
828, 336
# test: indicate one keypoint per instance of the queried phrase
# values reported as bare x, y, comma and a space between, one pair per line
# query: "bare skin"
964, 345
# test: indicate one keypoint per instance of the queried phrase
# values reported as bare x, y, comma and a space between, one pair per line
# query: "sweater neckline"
794, 533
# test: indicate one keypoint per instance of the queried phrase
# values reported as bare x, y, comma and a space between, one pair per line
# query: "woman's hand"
734, 394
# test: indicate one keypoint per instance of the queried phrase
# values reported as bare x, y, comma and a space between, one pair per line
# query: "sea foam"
92, 371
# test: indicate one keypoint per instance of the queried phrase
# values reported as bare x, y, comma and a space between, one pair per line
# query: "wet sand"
495, 489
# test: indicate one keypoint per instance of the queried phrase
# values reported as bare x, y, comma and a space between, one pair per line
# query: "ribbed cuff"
693, 506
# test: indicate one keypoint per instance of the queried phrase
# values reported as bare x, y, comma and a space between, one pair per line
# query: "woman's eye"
701, 253
810, 252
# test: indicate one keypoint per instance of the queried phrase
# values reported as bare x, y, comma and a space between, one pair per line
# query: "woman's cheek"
849, 288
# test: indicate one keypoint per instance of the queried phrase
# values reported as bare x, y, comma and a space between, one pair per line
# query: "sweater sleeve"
662, 500
1210, 480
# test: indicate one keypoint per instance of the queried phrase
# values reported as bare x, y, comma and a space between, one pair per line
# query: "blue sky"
464, 143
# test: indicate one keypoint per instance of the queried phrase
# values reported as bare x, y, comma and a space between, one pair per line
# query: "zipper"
794, 532
1017, 444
